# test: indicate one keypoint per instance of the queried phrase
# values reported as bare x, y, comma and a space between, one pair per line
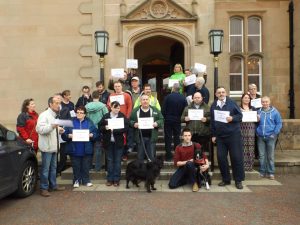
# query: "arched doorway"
157, 56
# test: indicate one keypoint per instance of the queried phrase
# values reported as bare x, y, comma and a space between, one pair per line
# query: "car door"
6, 165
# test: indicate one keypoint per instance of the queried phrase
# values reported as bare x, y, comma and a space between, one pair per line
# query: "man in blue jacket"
267, 131
226, 132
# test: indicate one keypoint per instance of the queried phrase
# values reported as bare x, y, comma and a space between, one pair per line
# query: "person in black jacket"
85, 98
226, 132
113, 143
172, 109
104, 94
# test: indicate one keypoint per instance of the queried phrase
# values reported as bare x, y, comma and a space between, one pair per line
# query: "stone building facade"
48, 46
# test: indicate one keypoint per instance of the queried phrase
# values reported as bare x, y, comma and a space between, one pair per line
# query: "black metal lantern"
216, 41
101, 43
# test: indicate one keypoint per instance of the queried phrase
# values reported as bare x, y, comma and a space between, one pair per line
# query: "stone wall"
289, 138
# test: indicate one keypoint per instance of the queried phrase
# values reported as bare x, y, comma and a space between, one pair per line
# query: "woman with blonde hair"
179, 76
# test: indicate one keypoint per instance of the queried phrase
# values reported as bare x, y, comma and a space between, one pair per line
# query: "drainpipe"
291, 47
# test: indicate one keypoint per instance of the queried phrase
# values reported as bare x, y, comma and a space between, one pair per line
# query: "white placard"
195, 114
63, 123
146, 123
256, 103
172, 82
117, 73
221, 115
201, 68
81, 135
131, 63
116, 123
118, 98
190, 79
72, 113
250, 116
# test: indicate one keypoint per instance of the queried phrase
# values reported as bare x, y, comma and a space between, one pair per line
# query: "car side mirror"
11, 136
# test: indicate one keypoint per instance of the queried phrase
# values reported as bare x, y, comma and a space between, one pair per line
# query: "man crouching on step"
186, 172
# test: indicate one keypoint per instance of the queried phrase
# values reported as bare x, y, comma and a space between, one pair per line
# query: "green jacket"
197, 126
157, 117
95, 111
180, 77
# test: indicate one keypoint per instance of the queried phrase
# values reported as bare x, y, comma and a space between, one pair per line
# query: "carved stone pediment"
158, 10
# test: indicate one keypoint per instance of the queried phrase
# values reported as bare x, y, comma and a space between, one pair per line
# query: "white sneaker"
76, 184
89, 184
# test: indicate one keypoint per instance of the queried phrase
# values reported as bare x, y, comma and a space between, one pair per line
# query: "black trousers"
203, 140
233, 145
172, 133
62, 163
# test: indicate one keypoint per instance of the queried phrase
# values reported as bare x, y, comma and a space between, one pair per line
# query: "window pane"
253, 65
254, 26
235, 26
254, 80
235, 83
236, 44
253, 43
235, 65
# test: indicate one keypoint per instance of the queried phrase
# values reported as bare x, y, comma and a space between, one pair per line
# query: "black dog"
138, 171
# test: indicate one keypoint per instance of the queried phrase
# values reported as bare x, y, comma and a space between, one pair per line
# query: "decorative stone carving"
158, 10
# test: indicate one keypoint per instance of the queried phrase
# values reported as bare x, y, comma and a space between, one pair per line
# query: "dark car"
18, 165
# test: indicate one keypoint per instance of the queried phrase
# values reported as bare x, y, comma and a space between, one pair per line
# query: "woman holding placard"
79, 146
113, 126
248, 133
179, 76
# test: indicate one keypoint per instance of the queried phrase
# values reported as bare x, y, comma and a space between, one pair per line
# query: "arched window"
236, 34
236, 75
254, 34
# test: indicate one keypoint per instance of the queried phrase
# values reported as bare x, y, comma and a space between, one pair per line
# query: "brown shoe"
58, 188
108, 183
44, 193
195, 187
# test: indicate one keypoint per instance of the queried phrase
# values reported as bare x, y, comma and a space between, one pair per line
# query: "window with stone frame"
245, 47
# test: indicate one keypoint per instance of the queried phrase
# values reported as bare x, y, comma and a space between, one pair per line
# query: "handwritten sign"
195, 114
118, 98
81, 135
250, 116
201, 68
172, 82
190, 79
221, 115
256, 103
146, 123
117, 73
116, 123
132, 63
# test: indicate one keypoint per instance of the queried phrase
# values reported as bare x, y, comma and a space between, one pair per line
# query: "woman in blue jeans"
113, 142
267, 131
80, 151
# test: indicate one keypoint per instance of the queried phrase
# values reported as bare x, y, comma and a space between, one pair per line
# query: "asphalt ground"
268, 204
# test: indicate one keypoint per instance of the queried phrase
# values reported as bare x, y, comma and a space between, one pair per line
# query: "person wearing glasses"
80, 150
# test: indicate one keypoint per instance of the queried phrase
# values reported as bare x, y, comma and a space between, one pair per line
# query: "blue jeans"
48, 171
81, 166
184, 175
266, 147
114, 155
149, 146
98, 155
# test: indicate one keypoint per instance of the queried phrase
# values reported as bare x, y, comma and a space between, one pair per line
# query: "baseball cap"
135, 78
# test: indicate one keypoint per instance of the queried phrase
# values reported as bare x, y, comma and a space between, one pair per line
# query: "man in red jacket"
184, 160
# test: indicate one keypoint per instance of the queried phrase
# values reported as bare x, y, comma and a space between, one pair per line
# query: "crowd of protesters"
131, 102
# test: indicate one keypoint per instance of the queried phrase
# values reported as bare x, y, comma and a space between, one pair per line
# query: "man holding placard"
197, 118
146, 120
255, 98
226, 117
122, 97
153, 100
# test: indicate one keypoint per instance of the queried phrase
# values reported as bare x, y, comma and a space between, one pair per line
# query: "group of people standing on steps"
128, 118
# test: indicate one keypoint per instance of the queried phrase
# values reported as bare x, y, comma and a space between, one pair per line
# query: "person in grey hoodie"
95, 111
267, 132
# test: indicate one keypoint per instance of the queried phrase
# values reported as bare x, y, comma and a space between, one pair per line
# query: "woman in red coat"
26, 123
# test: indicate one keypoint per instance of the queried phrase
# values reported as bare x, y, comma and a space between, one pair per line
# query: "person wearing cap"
153, 100
135, 88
